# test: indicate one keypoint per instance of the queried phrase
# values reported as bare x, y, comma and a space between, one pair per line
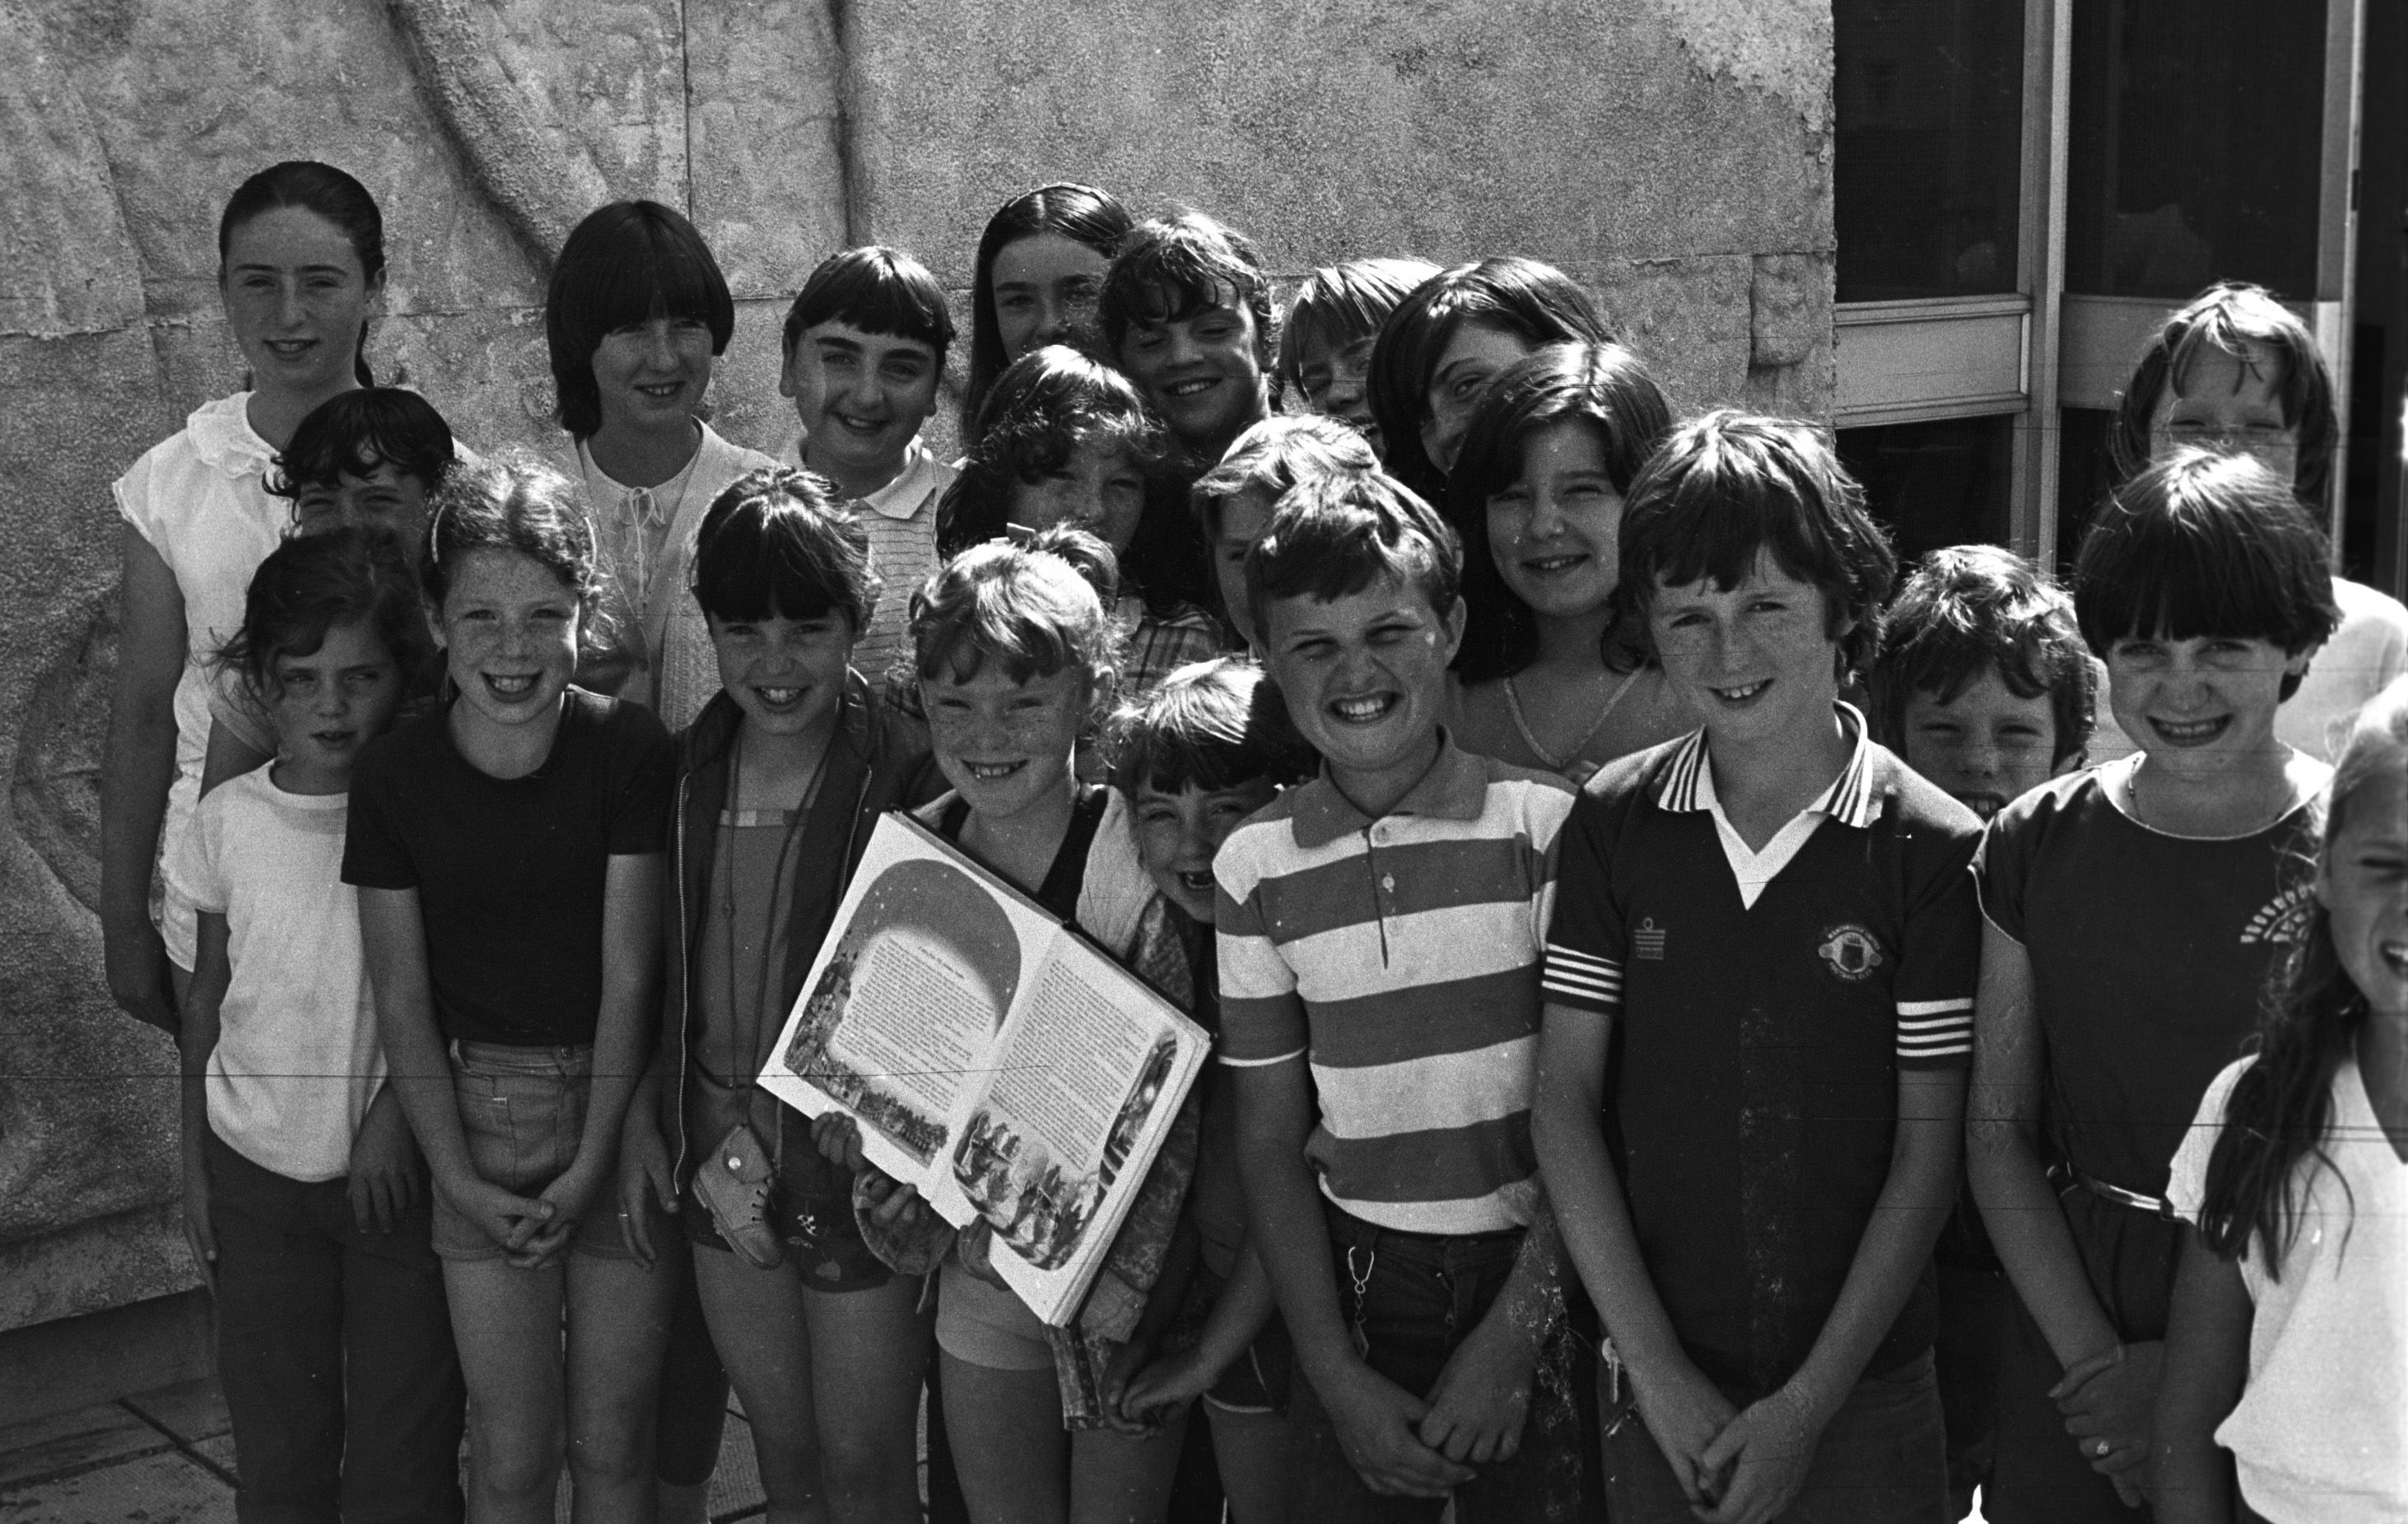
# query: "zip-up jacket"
876, 761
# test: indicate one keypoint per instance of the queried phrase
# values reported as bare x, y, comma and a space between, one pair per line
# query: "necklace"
1547, 758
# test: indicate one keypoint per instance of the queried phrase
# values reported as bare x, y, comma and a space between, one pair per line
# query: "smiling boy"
1187, 311
1379, 934
865, 348
1982, 685
1769, 925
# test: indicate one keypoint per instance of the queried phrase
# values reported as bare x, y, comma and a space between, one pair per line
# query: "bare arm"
393, 939
2207, 1364
136, 769
1682, 1409
196, 1039
1373, 1415
625, 1033
2003, 1158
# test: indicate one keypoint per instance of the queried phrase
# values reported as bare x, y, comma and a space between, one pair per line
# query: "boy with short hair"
1983, 684
1325, 347
864, 351
1769, 925
1984, 687
1380, 940
1234, 500
1186, 312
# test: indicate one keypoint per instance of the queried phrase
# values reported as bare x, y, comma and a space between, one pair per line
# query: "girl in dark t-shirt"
507, 853
2133, 912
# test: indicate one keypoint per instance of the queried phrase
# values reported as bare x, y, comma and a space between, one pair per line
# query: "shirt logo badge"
1649, 940
2283, 919
1850, 952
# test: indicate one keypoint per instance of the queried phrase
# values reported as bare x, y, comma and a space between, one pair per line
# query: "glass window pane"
1926, 170
2196, 138
2085, 474
1937, 484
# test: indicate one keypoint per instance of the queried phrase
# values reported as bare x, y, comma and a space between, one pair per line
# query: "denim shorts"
524, 1112
811, 1206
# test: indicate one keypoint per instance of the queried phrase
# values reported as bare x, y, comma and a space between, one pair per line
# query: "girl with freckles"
2133, 914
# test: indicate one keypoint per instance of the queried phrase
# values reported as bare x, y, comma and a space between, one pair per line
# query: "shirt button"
1388, 882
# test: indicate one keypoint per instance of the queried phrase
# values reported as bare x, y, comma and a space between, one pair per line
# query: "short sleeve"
1585, 937
2002, 864
192, 867
1941, 963
235, 707
643, 780
2186, 1186
134, 501
1262, 1017
376, 852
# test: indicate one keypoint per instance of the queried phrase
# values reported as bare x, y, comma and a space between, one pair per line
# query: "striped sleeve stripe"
1581, 978
1259, 1063
1933, 1008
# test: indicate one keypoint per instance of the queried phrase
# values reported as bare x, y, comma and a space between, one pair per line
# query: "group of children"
1695, 1038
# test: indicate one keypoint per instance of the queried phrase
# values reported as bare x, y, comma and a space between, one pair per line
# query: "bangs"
767, 551
2204, 545
662, 276
878, 290
1214, 724
360, 429
1715, 535
959, 645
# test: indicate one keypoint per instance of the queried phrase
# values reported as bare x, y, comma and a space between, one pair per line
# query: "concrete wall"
1674, 153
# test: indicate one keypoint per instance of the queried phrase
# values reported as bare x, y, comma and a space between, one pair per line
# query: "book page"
899, 1018
1091, 1073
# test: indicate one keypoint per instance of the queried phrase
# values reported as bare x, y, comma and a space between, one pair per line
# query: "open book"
992, 1057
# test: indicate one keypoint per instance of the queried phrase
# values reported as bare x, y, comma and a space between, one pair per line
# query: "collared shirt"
1688, 783
1400, 954
1760, 1034
902, 525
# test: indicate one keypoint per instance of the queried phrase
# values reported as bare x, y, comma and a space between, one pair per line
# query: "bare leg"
507, 1323
617, 1326
869, 1350
1117, 1478
758, 1323
1009, 1443
1252, 1448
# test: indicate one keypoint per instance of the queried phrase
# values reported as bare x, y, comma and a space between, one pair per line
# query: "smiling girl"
301, 275
1537, 495
2133, 911
1444, 343
1015, 652
1039, 269
507, 853
1065, 441
637, 314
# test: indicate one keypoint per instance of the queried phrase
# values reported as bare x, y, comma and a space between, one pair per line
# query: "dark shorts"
524, 1112
810, 1202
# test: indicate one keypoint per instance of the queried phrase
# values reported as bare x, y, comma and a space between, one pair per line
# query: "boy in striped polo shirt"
1768, 929
1381, 932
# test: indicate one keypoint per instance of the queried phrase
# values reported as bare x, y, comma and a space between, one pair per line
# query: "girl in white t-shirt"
301, 272
304, 1198
2284, 1393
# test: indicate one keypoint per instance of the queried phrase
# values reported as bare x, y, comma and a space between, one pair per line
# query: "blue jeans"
1422, 1296
1882, 1460
334, 1350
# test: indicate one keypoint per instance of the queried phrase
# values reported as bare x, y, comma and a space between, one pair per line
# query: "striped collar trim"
1688, 783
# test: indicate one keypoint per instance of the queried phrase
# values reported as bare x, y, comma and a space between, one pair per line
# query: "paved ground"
165, 1457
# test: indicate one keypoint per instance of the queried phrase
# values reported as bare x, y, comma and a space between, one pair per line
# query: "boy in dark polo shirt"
1769, 930
1984, 687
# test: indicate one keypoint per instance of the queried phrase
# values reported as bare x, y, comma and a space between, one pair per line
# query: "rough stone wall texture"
1674, 153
